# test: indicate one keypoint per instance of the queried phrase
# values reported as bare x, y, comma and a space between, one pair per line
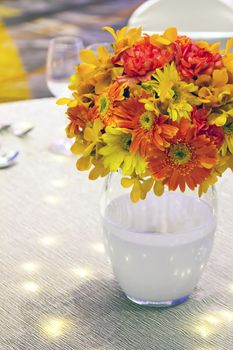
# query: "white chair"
200, 19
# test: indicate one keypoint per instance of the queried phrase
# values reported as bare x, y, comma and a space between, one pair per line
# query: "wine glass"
94, 47
63, 55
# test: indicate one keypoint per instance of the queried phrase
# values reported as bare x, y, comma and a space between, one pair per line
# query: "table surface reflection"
57, 290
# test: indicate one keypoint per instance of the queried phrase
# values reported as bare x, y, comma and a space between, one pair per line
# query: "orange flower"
188, 160
106, 103
191, 61
143, 57
147, 127
79, 116
200, 120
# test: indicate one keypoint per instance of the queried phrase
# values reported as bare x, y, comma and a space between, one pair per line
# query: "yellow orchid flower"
221, 115
94, 74
88, 144
228, 59
213, 48
98, 170
216, 172
219, 92
141, 186
124, 37
167, 38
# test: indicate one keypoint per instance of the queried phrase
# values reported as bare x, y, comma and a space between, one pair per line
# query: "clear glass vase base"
166, 303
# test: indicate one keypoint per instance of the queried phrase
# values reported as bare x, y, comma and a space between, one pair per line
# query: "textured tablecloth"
57, 290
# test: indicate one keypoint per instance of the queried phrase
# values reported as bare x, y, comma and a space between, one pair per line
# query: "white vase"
158, 247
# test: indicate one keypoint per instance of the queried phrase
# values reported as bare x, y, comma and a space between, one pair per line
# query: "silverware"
21, 129
8, 159
4, 126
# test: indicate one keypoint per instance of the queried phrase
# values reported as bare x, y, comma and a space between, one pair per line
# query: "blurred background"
26, 27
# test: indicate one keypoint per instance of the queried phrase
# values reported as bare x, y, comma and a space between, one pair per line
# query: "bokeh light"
30, 287
54, 327
99, 247
30, 267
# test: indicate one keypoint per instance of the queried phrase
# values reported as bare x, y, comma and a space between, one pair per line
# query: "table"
57, 290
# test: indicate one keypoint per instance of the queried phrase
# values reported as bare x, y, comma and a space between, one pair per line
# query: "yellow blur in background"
27, 26
13, 78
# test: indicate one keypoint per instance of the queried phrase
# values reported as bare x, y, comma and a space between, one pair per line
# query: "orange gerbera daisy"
187, 161
147, 127
79, 116
105, 103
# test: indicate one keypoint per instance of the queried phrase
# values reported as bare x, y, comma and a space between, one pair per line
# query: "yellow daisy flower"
116, 152
176, 96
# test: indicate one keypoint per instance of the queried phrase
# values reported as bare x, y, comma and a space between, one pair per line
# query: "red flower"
200, 120
142, 58
191, 61
199, 117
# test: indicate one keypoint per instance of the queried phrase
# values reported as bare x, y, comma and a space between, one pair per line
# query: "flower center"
146, 120
180, 154
176, 94
228, 128
104, 104
126, 141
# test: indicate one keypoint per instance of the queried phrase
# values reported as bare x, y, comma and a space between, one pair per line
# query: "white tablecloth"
57, 290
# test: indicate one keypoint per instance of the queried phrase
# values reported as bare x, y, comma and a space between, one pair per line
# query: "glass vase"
159, 246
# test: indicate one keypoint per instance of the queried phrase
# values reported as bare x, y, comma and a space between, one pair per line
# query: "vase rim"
162, 239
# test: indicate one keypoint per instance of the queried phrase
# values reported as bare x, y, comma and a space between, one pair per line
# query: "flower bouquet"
159, 108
